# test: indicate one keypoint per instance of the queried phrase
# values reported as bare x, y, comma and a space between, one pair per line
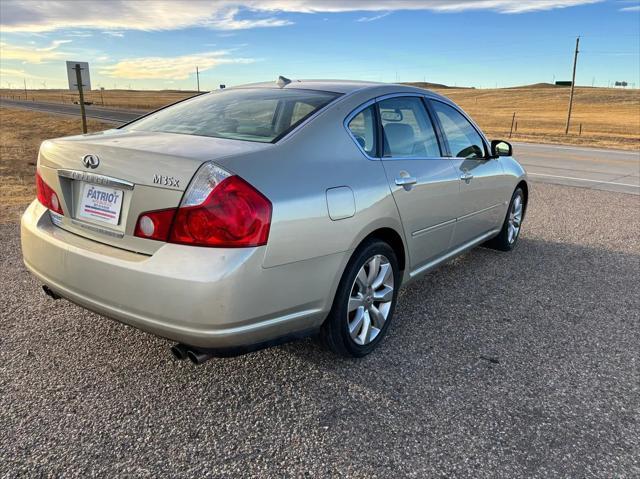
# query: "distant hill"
535, 85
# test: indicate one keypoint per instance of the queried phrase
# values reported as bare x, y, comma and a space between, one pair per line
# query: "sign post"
78, 75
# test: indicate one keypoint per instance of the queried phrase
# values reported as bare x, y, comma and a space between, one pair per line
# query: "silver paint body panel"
327, 197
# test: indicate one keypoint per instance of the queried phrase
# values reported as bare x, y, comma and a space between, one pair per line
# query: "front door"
481, 206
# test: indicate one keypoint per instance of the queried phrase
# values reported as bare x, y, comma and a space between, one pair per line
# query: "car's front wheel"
364, 302
508, 236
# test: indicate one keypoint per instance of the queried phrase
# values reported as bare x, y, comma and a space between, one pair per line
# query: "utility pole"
79, 81
198, 78
25, 89
573, 86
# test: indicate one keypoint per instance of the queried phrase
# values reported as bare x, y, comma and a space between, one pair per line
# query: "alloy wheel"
515, 219
370, 299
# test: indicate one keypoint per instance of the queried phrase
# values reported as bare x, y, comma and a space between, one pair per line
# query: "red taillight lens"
47, 196
234, 215
155, 224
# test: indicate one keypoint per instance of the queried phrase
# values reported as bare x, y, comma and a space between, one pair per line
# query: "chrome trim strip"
98, 229
95, 178
412, 158
452, 253
434, 227
479, 211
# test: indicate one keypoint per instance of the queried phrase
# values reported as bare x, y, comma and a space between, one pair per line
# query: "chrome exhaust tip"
198, 357
179, 351
50, 293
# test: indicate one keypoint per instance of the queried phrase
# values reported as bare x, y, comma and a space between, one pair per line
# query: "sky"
157, 44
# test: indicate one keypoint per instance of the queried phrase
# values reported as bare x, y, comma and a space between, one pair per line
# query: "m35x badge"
166, 181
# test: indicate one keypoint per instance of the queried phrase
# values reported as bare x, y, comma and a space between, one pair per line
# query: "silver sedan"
253, 215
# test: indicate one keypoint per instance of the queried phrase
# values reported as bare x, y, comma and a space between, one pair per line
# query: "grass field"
21, 132
609, 117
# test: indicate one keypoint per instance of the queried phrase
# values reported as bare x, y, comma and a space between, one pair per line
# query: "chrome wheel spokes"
370, 299
515, 219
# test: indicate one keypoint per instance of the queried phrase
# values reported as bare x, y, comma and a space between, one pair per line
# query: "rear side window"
408, 131
363, 129
258, 114
464, 140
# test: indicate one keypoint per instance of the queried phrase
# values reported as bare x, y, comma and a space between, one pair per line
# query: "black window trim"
444, 136
355, 112
421, 98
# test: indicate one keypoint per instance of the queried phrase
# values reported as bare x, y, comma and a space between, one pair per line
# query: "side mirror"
501, 148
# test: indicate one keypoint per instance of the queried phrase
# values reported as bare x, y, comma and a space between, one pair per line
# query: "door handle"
406, 181
467, 177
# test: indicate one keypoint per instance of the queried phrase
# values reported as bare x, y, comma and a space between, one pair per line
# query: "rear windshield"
262, 115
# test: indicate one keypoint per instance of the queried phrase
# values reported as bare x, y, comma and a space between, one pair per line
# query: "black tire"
335, 330
504, 242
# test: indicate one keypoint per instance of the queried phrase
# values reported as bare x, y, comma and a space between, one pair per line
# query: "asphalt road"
521, 364
593, 168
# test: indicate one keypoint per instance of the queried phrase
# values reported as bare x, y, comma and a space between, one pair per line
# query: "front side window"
408, 131
363, 129
464, 140
258, 114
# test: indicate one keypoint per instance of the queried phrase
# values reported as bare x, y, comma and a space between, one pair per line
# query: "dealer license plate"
101, 203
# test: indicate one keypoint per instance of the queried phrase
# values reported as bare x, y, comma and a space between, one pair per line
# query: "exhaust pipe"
198, 357
182, 351
50, 293
179, 351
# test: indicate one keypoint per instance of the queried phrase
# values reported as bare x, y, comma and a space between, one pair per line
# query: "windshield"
257, 114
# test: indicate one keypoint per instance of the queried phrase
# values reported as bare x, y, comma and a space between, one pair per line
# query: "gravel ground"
498, 365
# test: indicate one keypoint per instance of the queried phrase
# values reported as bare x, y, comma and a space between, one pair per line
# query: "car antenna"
282, 81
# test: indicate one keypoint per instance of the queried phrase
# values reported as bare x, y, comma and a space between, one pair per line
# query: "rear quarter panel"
295, 177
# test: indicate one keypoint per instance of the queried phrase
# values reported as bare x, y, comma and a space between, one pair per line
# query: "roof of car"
337, 86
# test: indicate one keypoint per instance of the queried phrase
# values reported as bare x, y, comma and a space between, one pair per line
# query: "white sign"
84, 72
101, 203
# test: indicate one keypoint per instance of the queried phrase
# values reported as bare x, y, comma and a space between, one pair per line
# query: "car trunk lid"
106, 180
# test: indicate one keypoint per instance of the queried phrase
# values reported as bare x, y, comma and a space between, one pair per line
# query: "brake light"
218, 210
47, 196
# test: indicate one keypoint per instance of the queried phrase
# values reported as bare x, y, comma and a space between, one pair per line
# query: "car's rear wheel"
508, 236
365, 301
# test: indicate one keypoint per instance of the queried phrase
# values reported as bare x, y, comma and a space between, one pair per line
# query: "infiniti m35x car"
252, 215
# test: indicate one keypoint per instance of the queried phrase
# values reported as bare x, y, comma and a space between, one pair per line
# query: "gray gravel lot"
497, 365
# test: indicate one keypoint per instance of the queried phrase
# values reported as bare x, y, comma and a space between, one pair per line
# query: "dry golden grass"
134, 99
609, 117
21, 132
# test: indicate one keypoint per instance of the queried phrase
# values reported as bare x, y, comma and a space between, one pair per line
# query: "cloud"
119, 15
32, 55
374, 18
175, 68
633, 8
332, 6
114, 33
43, 15
19, 73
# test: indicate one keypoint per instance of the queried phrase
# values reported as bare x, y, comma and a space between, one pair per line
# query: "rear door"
481, 201
423, 181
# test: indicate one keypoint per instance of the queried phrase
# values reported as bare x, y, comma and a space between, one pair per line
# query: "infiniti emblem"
90, 161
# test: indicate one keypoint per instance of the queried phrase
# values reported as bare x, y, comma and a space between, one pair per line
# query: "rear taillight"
155, 224
47, 196
218, 209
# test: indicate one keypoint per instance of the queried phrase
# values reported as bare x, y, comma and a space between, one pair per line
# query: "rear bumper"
204, 297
